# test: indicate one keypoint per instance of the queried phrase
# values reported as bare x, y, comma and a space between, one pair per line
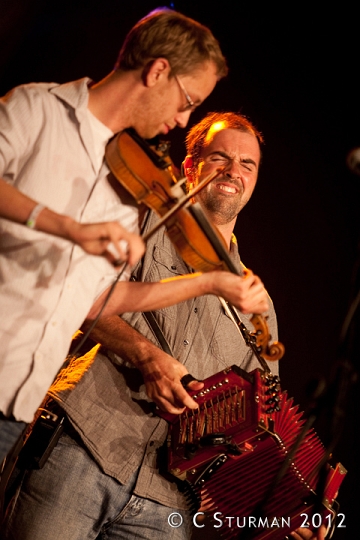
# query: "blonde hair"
164, 33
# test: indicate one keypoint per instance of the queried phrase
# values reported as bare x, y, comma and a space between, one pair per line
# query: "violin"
148, 174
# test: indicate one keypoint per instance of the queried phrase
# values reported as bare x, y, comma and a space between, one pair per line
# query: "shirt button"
186, 342
173, 267
195, 310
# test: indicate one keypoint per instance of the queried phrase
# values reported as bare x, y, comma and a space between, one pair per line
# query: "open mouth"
227, 188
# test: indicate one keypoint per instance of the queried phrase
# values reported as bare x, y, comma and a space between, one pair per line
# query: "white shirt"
49, 151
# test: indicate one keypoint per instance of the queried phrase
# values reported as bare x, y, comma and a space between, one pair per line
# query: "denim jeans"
10, 432
72, 499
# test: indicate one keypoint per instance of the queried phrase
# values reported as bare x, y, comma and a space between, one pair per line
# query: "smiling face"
225, 196
165, 105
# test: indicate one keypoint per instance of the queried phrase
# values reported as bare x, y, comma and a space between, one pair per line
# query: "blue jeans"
10, 432
72, 499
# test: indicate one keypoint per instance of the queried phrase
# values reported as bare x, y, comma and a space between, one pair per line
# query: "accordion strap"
152, 322
149, 315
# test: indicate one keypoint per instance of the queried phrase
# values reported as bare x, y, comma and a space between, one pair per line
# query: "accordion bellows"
235, 454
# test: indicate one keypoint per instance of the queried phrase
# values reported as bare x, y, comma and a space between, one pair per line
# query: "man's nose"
182, 118
233, 170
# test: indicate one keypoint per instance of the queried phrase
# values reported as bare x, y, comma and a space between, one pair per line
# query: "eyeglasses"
190, 102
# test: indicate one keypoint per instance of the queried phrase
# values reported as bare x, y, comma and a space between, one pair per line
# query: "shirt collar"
75, 93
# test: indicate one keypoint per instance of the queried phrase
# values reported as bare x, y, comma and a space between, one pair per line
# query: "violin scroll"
272, 352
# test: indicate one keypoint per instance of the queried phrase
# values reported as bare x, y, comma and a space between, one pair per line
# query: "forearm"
16, 206
245, 293
109, 239
121, 338
145, 296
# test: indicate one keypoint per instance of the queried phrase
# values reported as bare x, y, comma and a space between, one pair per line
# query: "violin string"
95, 321
182, 202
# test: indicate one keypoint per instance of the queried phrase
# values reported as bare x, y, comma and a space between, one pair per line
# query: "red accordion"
231, 452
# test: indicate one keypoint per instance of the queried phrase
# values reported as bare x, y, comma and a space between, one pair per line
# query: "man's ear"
155, 71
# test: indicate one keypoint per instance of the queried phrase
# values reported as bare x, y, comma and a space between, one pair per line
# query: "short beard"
220, 210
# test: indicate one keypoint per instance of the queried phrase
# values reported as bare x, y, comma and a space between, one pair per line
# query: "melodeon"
229, 454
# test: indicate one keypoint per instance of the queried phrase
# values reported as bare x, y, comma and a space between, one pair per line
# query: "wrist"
144, 355
45, 220
31, 221
208, 283
68, 227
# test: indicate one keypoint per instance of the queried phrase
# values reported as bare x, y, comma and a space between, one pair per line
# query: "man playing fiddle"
52, 141
103, 476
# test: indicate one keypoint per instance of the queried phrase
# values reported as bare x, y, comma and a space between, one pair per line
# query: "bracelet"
31, 221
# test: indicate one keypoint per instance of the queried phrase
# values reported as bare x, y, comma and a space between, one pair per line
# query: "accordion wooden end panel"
231, 451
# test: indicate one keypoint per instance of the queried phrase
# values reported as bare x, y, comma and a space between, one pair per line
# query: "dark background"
294, 72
